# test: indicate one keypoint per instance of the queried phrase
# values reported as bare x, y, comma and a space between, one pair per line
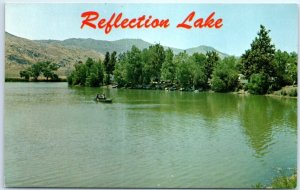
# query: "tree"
225, 75
259, 58
96, 75
212, 59
26, 74
292, 68
106, 63
46, 68
36, 70
112, 62
200, 78
184, 73
89, 74
168, 69
120, 70
80, 74
153, 62
134, 67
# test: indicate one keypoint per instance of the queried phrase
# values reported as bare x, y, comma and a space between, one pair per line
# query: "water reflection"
259, 116
175, 139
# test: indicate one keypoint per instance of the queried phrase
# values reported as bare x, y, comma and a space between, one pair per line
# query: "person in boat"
100, 97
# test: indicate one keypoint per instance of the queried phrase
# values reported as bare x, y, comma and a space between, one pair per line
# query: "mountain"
21, 52
99, 45
203, 49
121, 46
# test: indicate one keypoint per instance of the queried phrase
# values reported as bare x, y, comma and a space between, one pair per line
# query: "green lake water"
57, 136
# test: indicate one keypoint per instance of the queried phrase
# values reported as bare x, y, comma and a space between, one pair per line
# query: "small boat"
103, 100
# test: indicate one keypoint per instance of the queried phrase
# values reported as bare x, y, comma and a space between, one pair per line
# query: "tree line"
46, 69
263, 67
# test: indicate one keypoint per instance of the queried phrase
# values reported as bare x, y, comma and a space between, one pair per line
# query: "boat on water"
103, 100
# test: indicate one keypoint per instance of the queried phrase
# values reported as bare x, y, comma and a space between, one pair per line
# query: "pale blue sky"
240, 23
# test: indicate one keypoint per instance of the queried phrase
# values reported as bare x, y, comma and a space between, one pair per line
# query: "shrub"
293, 93
258, 84
283, 93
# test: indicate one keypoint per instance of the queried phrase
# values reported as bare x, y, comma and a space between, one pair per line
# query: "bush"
258, 84
218, 85
283, 93
225, 76
293, 93
285, 182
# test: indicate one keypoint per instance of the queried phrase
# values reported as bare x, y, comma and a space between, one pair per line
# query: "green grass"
282, 181
285, 182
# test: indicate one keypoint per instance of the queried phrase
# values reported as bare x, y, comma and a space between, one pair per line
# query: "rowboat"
103, 100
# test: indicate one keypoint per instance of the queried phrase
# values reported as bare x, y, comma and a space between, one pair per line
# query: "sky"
240, 23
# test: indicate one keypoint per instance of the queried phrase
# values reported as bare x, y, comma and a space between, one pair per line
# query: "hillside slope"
21, 52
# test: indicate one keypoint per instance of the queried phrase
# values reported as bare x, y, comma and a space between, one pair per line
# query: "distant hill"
21, 52
121, 46
203, 49
99, 45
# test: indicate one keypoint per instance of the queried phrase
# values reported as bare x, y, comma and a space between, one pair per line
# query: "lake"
57, 136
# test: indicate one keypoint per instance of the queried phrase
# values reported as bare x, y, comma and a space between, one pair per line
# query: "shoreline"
275, 94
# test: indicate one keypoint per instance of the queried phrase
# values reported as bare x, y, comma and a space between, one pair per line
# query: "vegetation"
225, 75
265, 68
47, 69
89, 74
282, 181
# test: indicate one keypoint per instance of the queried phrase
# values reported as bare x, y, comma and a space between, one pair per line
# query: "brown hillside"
20, 53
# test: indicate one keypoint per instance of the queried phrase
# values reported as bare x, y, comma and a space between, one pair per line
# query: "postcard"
150, 95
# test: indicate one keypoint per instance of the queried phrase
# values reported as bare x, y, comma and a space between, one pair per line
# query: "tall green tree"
112, 62
260, 57
134, 67
106, 63
200, 78
168, 70
184, 73
153, 63
120, 70
212, 59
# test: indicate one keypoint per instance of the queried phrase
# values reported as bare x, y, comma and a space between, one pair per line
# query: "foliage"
155, 67
40, 68
200, 78
89, 74
293, 93
285, 68
284, 181
120, 70
26, 74
259, 58
183, 70
225, 75
168, 69
153, 59
258, 83
212, 59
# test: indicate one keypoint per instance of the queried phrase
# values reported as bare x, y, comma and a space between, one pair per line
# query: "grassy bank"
282, 181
